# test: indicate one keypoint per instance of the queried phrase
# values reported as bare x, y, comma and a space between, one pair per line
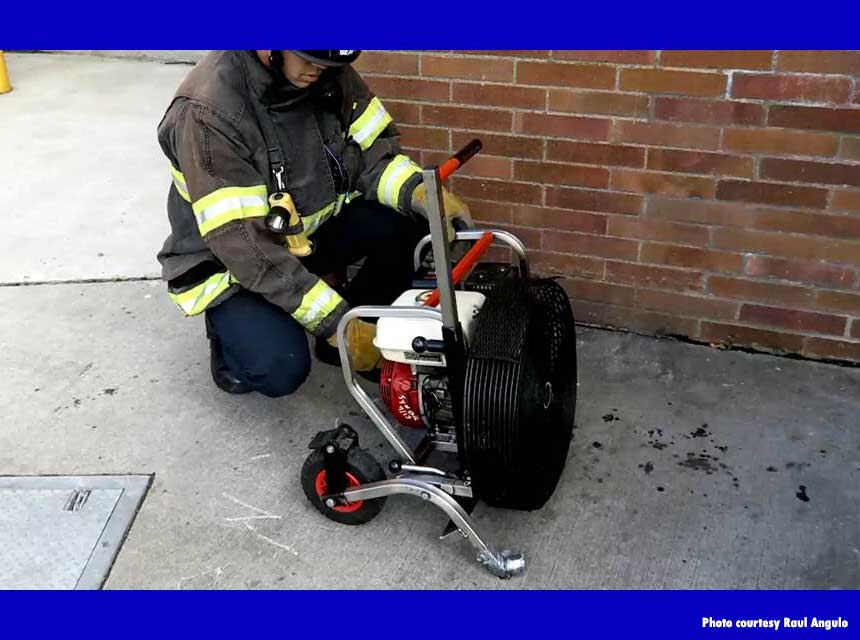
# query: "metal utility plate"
64, 532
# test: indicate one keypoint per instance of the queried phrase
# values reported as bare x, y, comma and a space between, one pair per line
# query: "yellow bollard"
5, 87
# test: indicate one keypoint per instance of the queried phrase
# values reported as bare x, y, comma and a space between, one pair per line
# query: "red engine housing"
399, 389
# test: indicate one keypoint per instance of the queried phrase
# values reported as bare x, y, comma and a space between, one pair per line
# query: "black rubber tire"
361, 464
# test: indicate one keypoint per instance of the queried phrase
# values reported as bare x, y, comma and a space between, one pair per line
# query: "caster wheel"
361, 468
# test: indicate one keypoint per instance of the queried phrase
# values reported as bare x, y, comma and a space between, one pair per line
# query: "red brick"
770, 193
485, 211
404, 112
600, 154
655, 277
562, 263
637, 320
465, 118
850, 149
780, 142
855, 329
418, 156
832, 349
667, 135
560, 219
601, 292
813, 172
719, 112
766, 292
498, 190
399, 64
787, 245
786, 87
793, 319
842, 62
409, 88
691, 257
620, 57
734, 335
481, 166
561, 174
846, 200
589, 76
589, 245
687, 305
587, 200
804, 272
505, 53
467, 68
500, 145
662, 183
499, 95
498, 254
531, 238
424, 138
845, 227
627, 227
845, 120
616, 104
678, 82
700, 162
711, 213
838, 301
717, 59
562, 126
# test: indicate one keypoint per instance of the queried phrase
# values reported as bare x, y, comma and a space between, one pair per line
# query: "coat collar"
262, 84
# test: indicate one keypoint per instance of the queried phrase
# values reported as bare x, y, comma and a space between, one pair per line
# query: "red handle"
464, 266
459, 159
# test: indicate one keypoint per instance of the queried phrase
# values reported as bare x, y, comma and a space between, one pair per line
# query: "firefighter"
299, 126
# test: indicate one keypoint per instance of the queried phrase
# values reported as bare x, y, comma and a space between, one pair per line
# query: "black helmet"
330, 57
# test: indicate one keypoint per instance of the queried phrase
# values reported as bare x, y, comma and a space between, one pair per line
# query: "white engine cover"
394, 335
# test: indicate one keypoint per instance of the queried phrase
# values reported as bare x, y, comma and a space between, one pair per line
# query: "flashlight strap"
277, 163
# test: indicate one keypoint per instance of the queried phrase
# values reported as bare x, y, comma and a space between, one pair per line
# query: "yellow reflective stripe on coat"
228, 204
367, 127
194, 301
393, 178
179, 183
315, 220
316, 305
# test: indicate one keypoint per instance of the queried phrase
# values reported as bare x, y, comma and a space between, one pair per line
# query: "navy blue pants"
265, 347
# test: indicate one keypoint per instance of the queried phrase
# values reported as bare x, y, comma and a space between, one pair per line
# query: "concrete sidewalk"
690, 468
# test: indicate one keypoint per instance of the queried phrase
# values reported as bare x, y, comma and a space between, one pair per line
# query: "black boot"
328, 354
224, 380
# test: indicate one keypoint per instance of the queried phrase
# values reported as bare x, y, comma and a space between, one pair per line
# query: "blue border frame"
436, 614
542, 24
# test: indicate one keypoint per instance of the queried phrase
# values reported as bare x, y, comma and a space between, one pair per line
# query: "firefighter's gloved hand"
456, 211
363, 354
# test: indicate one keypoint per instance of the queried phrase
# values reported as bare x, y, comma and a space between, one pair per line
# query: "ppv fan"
482, 359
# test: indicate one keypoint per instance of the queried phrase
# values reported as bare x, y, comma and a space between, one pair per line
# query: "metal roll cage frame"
430, 484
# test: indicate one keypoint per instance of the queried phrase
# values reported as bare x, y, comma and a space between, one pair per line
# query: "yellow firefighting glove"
363, 354
455, 209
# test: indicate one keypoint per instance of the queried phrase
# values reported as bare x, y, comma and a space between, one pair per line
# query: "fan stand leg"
468, 505
503, 564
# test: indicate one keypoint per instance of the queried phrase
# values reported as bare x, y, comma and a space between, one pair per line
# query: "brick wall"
708, 194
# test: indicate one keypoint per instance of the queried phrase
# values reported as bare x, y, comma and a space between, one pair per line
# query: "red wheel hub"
321, 487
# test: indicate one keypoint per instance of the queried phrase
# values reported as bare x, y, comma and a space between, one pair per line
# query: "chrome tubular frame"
504, 564
428, 483
503, 236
